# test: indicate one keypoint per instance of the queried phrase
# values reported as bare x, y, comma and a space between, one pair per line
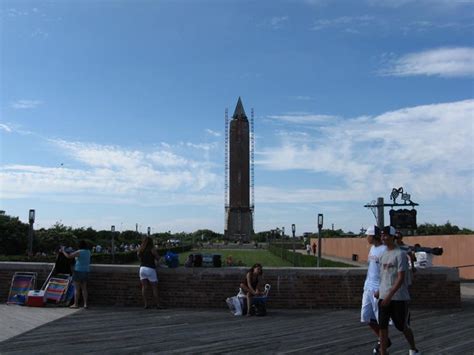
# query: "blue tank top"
83, 260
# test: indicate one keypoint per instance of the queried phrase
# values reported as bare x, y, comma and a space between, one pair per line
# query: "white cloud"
302, 118
302, 98
427, 149
212, 133
167, 159
5, 128
348, 23
111, 173
443, 62
26, 104
275, 22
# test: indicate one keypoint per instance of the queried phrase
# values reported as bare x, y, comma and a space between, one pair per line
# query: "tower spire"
239, 110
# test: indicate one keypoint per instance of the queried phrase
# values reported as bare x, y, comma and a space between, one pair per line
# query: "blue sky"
112, 112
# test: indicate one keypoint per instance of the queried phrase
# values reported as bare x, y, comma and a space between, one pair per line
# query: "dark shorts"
397, 311
80, 276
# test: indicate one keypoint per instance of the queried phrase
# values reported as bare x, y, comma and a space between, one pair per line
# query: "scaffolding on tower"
252, 156
226, 167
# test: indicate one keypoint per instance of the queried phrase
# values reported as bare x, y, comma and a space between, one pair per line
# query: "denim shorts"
80, 276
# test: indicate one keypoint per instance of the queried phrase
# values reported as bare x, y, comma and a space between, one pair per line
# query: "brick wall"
457, 250
303, 288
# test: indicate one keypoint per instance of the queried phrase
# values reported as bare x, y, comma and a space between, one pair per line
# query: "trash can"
197, 259
355, 257
217, 260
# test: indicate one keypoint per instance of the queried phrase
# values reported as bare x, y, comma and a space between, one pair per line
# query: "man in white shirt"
369, 310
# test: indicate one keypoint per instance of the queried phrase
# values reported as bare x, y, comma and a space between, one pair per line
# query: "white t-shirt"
391, 263
372, 281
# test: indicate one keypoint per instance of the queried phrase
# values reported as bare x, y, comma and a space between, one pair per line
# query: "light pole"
31, 219
320, 226
293, 230
112, 230
283, 232
148, 231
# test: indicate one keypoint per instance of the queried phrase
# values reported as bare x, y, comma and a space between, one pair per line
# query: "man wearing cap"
369, 311
393, 292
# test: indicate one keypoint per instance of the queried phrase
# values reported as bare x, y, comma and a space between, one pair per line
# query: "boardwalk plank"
132, 330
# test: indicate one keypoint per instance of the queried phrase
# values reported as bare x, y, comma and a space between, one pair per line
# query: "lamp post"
320, 226
293, 230
148, 231
31, 220
112, 230
283, 232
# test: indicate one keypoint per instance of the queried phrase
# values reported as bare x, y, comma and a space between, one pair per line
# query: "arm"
395, 287
155, 254
71, 255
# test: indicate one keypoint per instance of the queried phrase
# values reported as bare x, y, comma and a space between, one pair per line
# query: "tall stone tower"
239, 221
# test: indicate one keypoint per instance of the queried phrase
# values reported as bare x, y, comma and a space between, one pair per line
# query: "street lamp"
112, 230
320, 226
148, 231
293, 230
31, 220
283, 231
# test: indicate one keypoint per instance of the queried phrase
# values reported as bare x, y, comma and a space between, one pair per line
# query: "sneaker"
376, 349
414, 352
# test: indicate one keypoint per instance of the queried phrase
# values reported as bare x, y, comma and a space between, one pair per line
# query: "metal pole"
293, 229
112, 229
30, 239
380, 213
319, 245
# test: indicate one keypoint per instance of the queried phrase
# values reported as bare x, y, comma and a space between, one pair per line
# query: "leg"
383, 341
144, 287
375, 327
249, 301
154, 288
407, 332
84, 293
77, 293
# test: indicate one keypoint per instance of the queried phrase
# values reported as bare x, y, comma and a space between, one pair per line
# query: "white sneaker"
414, 352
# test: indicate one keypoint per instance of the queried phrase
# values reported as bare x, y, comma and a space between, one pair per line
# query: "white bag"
234, 305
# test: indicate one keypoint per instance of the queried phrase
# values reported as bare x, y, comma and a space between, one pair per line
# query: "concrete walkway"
19, 319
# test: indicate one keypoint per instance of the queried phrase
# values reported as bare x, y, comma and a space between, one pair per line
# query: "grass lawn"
248, 257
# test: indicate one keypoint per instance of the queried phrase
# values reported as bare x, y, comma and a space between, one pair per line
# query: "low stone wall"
295, 288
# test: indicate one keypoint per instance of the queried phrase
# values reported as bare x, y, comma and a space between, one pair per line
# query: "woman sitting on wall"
250, 284
148, 254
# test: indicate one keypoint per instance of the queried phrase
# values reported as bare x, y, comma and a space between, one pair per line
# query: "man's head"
388, 236
373, 234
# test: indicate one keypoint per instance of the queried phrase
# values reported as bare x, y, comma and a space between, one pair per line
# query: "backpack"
259, 309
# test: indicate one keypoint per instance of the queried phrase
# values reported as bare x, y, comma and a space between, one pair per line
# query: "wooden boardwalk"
110, 330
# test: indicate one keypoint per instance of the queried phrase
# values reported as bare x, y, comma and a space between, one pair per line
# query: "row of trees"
14, 236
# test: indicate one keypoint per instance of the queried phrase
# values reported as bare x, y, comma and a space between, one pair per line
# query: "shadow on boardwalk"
132, 330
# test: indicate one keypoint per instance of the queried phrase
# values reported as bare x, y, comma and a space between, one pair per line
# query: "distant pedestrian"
148, 256
393, 292
308, 249
314, 247
369, 313
80, 274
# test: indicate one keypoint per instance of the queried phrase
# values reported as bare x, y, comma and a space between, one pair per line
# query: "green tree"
13, 236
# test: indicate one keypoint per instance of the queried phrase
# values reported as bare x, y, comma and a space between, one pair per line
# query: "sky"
112, 111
